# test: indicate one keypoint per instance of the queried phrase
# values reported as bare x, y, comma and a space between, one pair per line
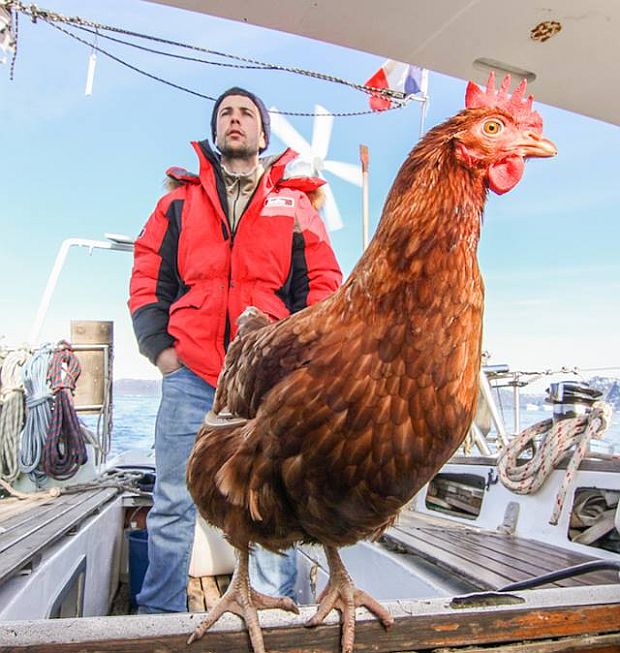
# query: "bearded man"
238, 234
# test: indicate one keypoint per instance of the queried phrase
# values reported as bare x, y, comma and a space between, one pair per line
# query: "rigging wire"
399, 99
16, 34
174, 55
156, 78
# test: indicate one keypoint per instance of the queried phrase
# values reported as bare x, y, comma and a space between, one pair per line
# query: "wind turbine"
314, 155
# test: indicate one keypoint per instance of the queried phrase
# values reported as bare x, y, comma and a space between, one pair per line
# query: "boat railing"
113, 242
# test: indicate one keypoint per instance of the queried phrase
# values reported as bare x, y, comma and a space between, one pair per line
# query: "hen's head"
498, 132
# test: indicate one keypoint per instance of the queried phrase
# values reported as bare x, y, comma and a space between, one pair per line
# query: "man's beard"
243, 152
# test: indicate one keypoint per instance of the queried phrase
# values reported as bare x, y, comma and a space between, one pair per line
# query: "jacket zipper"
227, 327
227, 324
215, 162
228, 233
235, 207
233, 232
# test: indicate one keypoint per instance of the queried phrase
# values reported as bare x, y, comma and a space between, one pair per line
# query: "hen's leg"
242, 600
342, 595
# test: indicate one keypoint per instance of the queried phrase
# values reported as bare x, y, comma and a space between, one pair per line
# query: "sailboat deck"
29, 526
488, 560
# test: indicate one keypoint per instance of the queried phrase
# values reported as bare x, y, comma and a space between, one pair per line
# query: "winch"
571, 398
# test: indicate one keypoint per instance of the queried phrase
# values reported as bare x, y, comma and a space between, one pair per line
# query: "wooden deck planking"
38, 516
481, 578
21, 511
492, 540
11, 507
548, 557
504, 565
204, 592
24, 539
488, 560
499, 554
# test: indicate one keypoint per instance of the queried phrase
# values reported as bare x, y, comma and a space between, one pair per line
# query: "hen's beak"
534, 145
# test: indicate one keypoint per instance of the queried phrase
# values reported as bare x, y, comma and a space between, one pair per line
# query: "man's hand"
168, 361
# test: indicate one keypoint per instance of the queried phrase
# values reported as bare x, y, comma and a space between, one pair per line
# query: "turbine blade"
283, 129
331, 212
350, 172
321, 132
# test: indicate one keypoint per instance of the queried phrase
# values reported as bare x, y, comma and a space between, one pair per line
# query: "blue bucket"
138, 562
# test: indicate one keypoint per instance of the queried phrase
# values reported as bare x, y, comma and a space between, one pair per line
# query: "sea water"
134, 424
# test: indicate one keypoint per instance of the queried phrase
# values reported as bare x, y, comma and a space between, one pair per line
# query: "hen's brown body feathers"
353, 404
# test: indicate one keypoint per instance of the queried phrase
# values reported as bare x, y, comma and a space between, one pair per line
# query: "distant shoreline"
138, 387
610, 387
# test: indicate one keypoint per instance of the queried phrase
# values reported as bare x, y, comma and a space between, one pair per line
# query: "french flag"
402, 77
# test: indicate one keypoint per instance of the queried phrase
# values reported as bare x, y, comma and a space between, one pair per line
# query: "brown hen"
350, 406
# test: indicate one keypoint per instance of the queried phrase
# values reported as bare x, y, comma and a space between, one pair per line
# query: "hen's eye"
492, 127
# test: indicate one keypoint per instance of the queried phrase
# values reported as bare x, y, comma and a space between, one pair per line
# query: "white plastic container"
212, 555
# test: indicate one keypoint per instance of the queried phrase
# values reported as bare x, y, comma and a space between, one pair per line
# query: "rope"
48, 494
104, 420
64, 450
557, 439
124, 480
90, 437
38, 413
11, 413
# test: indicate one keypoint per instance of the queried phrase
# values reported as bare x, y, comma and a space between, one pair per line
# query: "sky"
77, 166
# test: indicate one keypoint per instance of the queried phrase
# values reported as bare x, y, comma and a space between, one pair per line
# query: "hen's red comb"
520, 109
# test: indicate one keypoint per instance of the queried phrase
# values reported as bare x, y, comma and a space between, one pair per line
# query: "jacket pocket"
193, 298
196, 316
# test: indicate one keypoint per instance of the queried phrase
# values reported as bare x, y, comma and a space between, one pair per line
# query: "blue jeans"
274, 574
185, 400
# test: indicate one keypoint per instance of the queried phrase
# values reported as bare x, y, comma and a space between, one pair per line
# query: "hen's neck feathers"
434, 209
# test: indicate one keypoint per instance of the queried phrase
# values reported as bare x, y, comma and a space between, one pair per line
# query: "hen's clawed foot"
342, 595
242, 600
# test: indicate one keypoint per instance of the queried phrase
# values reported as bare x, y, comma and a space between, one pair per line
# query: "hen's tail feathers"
245, 480
232, 478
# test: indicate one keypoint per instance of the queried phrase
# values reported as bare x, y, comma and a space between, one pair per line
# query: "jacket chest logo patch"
280, 202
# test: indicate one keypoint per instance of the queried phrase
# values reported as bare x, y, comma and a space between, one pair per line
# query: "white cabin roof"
578, 68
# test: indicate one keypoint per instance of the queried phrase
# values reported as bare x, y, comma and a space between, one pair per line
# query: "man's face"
238, 131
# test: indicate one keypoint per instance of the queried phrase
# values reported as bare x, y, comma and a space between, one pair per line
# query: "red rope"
64, 450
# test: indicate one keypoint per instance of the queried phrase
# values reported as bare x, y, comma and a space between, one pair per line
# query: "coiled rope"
38, 414
64, 450
557, 439
11, 413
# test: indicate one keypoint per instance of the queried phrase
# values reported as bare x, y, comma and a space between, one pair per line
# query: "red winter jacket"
192, 278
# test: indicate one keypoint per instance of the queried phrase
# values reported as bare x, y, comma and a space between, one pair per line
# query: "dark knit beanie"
262, 109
